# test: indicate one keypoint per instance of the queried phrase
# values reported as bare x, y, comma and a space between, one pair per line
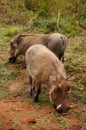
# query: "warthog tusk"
58, 106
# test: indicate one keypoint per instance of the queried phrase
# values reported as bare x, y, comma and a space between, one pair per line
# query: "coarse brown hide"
56, 42
45, 68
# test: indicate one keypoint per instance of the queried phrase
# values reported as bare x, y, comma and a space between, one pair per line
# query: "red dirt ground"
18, 115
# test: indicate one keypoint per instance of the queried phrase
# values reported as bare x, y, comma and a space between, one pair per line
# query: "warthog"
56, 42
45, 68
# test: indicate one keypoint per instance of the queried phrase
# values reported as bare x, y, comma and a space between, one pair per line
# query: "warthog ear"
19, 39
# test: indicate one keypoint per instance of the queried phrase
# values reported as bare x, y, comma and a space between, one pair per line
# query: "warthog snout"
62, 108
58, 96
12, 59
12, 52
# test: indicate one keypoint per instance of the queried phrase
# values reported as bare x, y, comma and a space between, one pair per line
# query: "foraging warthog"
55, 42
45, 68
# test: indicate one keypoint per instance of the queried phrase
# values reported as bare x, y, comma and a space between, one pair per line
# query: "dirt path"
18, 114
24, 116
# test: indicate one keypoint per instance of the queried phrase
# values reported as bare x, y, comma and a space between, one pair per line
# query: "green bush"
11, 31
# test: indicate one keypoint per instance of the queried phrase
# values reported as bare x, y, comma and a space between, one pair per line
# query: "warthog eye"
59, 89
12, 45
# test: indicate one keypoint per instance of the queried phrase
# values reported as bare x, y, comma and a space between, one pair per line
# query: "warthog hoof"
12, 59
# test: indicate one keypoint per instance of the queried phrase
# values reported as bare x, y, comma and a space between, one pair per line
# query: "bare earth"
18, 115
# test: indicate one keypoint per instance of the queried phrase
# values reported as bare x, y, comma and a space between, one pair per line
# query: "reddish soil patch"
23, 116
18, 115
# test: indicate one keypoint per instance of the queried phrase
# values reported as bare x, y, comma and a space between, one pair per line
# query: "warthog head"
13, 48
58, 95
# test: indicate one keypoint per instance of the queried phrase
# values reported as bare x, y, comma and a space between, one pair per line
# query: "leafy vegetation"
45, 15
76, 66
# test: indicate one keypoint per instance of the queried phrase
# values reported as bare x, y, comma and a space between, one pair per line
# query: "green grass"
76, 67
32, 127
80, 116
9, 31
7, 71
3, 91
7, 74
69, 26
64, 125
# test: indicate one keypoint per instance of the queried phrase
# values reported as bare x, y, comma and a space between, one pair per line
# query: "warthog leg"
24, 63
30, 87
61, 57
37, 90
